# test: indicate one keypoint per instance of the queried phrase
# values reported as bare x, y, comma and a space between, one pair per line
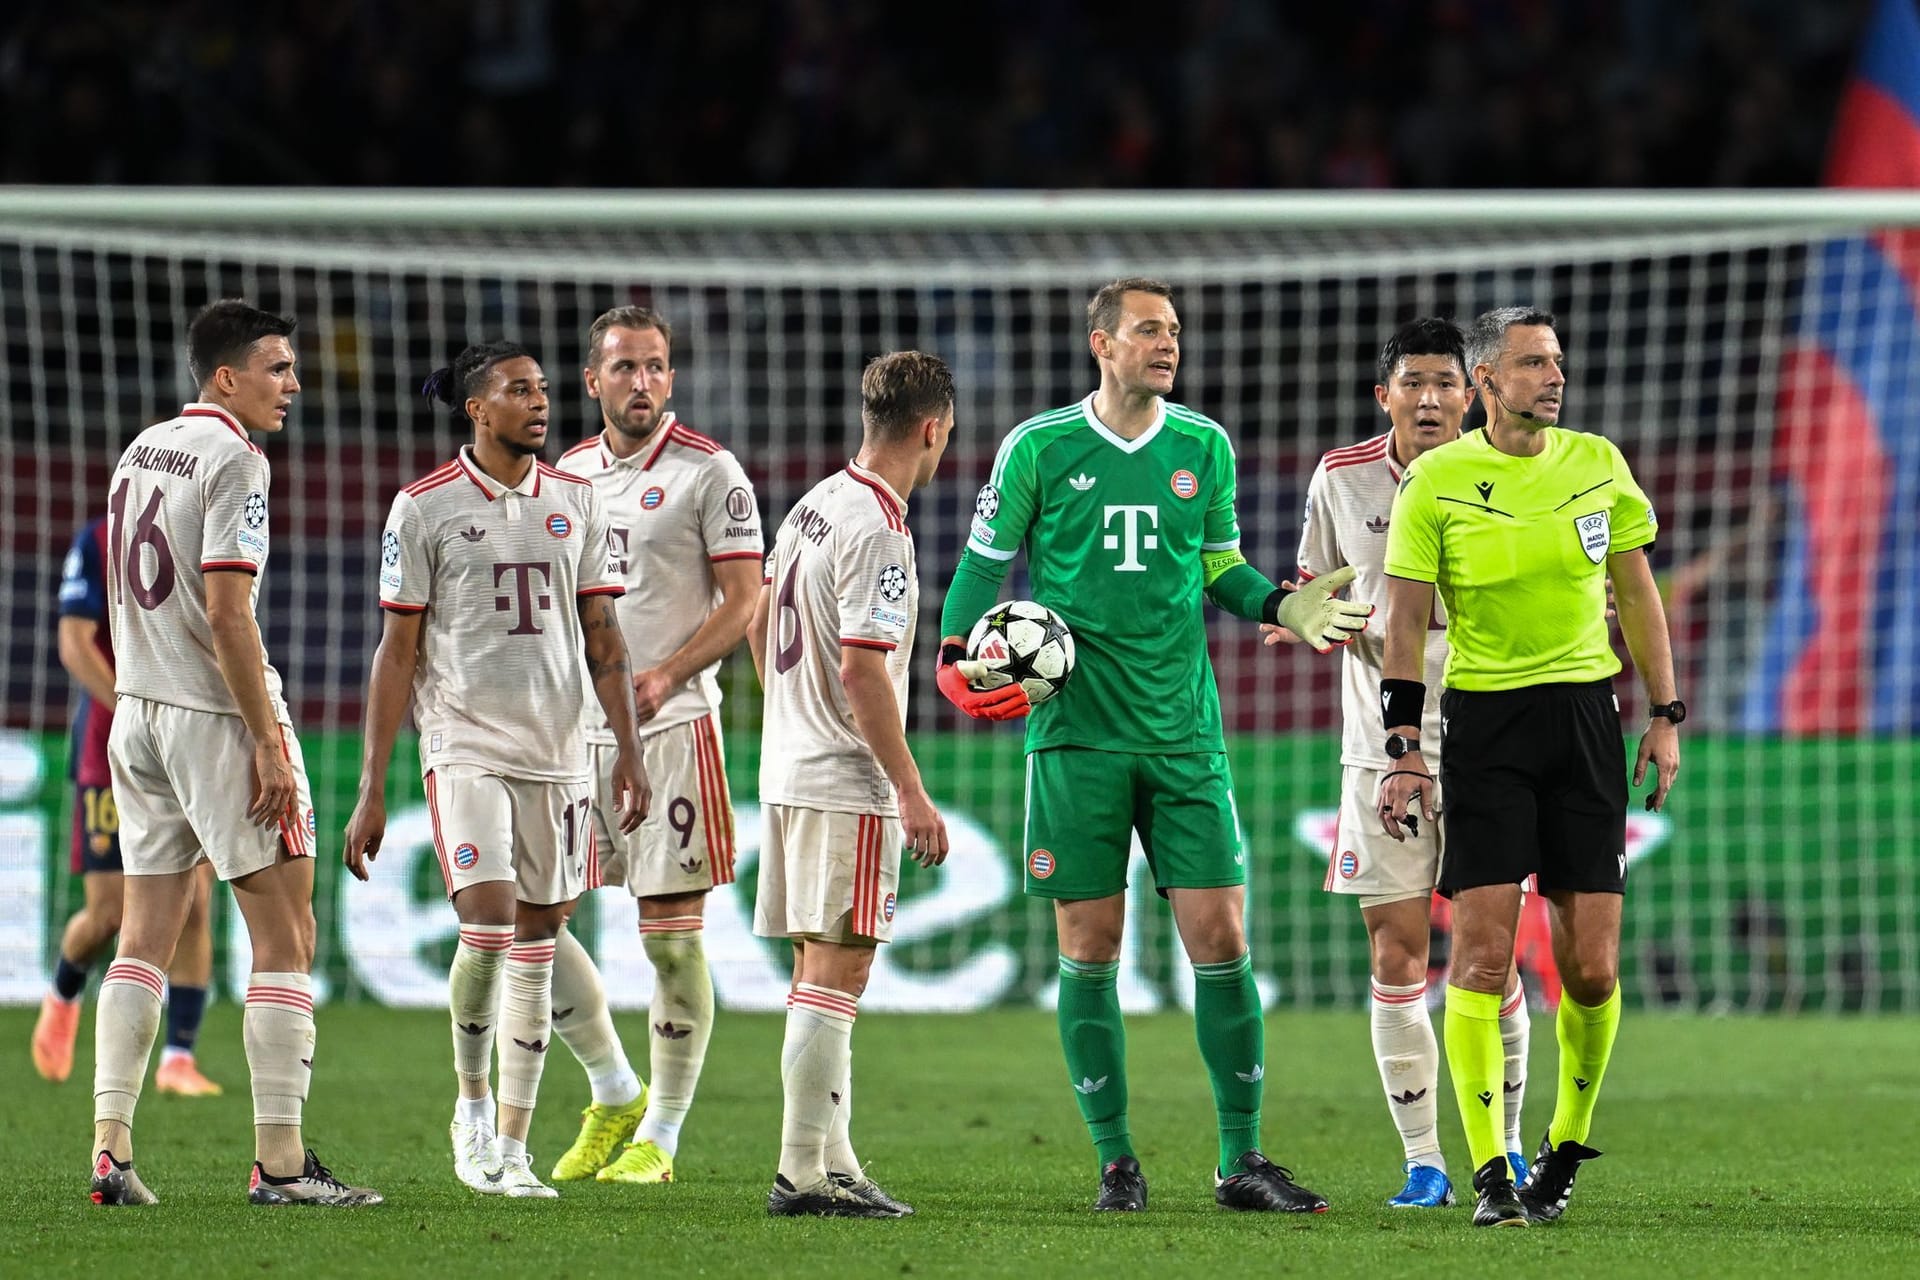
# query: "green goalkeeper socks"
1586, 1036
1095, 1041
1476, 1059
1233, 1043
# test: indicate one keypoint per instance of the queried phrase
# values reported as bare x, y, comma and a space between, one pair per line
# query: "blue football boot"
1427, 1188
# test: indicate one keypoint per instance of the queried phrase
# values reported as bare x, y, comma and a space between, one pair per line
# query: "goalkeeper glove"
955, 678
1315, 615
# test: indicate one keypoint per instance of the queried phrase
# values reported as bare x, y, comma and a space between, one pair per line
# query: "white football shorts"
1366, 860
827, 876
686, 842
539, 835
183, 780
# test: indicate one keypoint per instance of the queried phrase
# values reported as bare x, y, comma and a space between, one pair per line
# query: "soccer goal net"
1754, 356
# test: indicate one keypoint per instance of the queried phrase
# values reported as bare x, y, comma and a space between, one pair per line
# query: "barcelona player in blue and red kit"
86, 651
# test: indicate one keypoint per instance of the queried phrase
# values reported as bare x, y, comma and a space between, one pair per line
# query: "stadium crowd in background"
809, 93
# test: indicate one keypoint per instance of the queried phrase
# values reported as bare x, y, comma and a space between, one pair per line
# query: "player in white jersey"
832, 641
1423, 390
493, 576
198, 711
686, 546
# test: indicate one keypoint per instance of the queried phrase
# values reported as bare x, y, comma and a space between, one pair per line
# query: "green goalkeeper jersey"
1114, 530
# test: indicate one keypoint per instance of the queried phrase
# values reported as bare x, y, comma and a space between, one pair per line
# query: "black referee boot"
1499, 1203
1550, 1180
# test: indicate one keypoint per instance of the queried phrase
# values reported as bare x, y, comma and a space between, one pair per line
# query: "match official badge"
1595, 535
893, 583
986, 503
256, 509
1039, 864
1184, 484
558, 525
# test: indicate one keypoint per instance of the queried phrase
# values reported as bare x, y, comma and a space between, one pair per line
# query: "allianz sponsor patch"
889, 618
982, 532
1596, 534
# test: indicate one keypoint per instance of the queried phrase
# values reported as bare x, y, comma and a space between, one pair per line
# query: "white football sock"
813, 1065
1516, 1034
583, 1024
277, 1028
682, 1022
526, 1022
473, 995
1409, 1060
840, 1156
125, 1025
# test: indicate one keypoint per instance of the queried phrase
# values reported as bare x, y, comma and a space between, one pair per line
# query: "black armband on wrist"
1402, 702
1270, 608
952, 653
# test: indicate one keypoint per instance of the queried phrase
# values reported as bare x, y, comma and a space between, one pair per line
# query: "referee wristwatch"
1675, 711
1398, 744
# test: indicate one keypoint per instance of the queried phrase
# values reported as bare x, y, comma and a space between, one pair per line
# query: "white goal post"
1754, 354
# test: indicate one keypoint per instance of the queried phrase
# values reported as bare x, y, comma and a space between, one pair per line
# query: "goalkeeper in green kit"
1125, 505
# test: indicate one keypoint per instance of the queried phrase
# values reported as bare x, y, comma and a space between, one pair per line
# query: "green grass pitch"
1734, 1148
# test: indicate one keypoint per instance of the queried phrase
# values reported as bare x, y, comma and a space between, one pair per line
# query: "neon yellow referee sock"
1477, 1061
1586, 1044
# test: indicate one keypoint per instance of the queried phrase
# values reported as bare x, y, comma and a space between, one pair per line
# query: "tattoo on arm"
597, 669
601, 625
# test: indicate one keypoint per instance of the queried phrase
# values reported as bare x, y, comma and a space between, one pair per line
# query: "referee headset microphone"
1525, 413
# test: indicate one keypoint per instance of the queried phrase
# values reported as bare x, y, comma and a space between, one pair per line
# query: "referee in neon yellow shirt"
1519, 525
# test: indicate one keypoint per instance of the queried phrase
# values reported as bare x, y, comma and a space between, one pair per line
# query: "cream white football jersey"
498, 572
674, 510
1349, 502
188, 497
842, 574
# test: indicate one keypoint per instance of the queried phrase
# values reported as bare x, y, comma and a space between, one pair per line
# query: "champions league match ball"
1023, 641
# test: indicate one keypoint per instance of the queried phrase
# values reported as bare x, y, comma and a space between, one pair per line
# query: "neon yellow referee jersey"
1518, 549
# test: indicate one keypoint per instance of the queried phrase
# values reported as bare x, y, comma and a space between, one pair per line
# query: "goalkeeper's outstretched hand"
955, 679
1317, 616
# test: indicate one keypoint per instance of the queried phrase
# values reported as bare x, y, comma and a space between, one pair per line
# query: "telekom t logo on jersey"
524, 590
1132, 535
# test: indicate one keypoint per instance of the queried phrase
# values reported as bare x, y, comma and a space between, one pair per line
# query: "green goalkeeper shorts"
1084, 805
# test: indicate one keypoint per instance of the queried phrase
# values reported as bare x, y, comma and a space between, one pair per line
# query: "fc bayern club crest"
558, 525
1349, 864
886, 907
1040, 864
1184, 484
653, 497
465, 856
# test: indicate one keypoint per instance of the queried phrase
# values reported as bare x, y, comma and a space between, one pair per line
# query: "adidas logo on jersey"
1082, 482
667, 1031
1376, 525
473, 533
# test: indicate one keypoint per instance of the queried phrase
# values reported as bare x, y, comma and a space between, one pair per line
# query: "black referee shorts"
1535, 783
